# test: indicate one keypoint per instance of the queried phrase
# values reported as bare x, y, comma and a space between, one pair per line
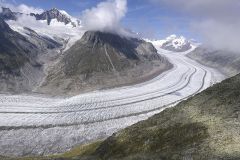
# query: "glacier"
41, 125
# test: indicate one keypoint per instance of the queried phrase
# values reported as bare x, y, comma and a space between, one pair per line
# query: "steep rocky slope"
16, 52
19, 65
101, 60
48, 16
225, 61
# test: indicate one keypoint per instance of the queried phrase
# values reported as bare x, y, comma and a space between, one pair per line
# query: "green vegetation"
83, 150
75, 153
151, 140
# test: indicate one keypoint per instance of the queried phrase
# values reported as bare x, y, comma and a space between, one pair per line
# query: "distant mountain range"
60, 16
57, 59
48, 16
63, 54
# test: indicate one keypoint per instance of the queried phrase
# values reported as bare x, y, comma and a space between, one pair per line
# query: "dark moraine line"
111, 106
184, 75
118, 99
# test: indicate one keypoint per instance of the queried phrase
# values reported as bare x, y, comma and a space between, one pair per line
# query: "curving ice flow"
32, 124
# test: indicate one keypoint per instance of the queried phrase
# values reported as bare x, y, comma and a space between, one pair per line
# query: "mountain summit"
177, 44
49, 16
54, 13
101, 60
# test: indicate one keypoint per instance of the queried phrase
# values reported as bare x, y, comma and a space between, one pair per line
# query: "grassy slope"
206, 126
83, 150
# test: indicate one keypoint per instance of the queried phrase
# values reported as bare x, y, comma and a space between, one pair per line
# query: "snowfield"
56, 30
36, 125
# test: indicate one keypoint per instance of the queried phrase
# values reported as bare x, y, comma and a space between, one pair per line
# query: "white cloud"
27, 9
28, 21
106, 17
216, 21
22, 8
219, 35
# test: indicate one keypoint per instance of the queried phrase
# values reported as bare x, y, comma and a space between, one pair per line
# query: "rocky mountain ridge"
48, 16
54, 13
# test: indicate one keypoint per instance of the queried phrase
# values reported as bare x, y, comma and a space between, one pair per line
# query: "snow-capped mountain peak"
173, 43
177, 43
59, 15
54, 24
51, 16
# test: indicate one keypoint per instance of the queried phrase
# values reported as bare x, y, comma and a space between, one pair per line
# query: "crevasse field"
34, 124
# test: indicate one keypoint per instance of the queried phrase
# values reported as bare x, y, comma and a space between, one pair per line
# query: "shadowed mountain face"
7, 14
15, 50
19, 66
104, 52
206, 126
101, 60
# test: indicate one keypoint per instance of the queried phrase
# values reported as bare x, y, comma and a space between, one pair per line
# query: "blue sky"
153, 21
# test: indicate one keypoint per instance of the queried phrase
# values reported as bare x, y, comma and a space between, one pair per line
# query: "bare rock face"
15, 51
20, 70
101, 60
107, 52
